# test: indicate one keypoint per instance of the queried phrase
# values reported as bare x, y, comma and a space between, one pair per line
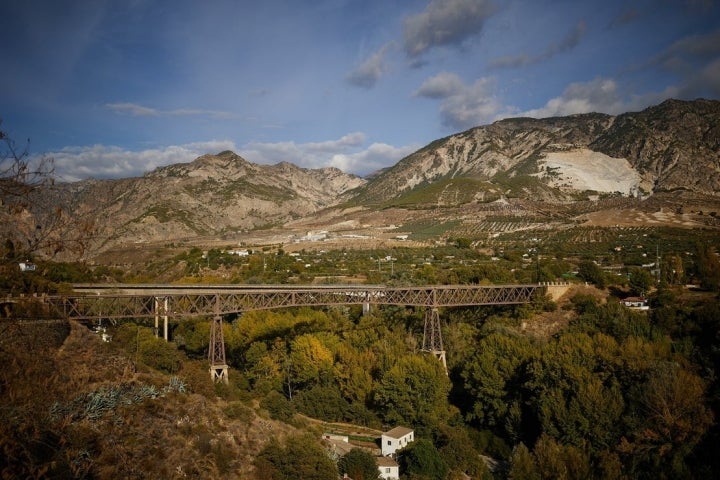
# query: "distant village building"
637, 303
389, 468
315, 236
395, 439
339, 445
27, 266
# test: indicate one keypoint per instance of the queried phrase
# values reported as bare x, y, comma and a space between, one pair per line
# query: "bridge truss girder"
202, 301
206, 303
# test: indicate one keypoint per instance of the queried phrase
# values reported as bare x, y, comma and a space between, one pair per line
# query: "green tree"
421, 460
673, 270
142, 346
353, 372
492, 379
310, 361
414, 391
708, 267
563, 462
575, 395
591, 272
522, 464
359, 464
279, 407
669, 419
463, 242
640, 281
300, 457
456, 448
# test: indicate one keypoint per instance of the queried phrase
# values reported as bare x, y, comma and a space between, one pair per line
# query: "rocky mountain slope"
675, 145
213, 196
520, 167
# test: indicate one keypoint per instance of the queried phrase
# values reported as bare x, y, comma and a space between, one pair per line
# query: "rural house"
395, 439
389, 468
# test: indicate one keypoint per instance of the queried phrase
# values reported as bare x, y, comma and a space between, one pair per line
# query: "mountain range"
550, 169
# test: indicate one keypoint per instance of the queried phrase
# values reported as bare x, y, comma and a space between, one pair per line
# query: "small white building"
637, 303
395, 439
389, 468
27, 266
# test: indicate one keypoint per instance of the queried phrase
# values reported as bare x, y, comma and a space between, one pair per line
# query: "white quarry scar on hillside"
584, 169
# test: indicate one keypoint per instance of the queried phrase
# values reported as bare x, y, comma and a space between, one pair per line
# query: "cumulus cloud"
463, 106
311, 154
103, 161
598, 95
371, 159
368, 73
445, 22
346, 153
442, 85
570, 41
136, 110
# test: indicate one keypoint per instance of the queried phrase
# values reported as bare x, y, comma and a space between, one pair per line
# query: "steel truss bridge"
125, 301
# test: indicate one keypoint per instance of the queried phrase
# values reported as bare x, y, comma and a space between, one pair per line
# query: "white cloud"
599, 95
103, 161
346, 153
442, 85
463, 106
132, 109
372, 159
368, 73
310, 155
445, 22
136, 110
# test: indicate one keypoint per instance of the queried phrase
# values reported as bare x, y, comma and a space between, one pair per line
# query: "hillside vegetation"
576, 387
582, 388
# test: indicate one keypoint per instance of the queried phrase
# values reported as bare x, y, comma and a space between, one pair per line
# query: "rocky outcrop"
670, 146
212, 196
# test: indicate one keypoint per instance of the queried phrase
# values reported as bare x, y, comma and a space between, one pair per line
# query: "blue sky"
115, 88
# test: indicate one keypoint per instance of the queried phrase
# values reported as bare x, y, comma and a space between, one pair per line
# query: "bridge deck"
137, 301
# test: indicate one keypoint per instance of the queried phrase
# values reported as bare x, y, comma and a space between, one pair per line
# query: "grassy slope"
53, 423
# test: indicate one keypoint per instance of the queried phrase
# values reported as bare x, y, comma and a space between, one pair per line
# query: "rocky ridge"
675, 145
519, 167
212, 196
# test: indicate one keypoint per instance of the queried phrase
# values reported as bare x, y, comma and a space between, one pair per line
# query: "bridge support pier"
216, 353
157, 316
432, 336
164, 308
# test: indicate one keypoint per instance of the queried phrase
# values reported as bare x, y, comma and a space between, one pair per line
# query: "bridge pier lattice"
161, 305
432, 336
216, 350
